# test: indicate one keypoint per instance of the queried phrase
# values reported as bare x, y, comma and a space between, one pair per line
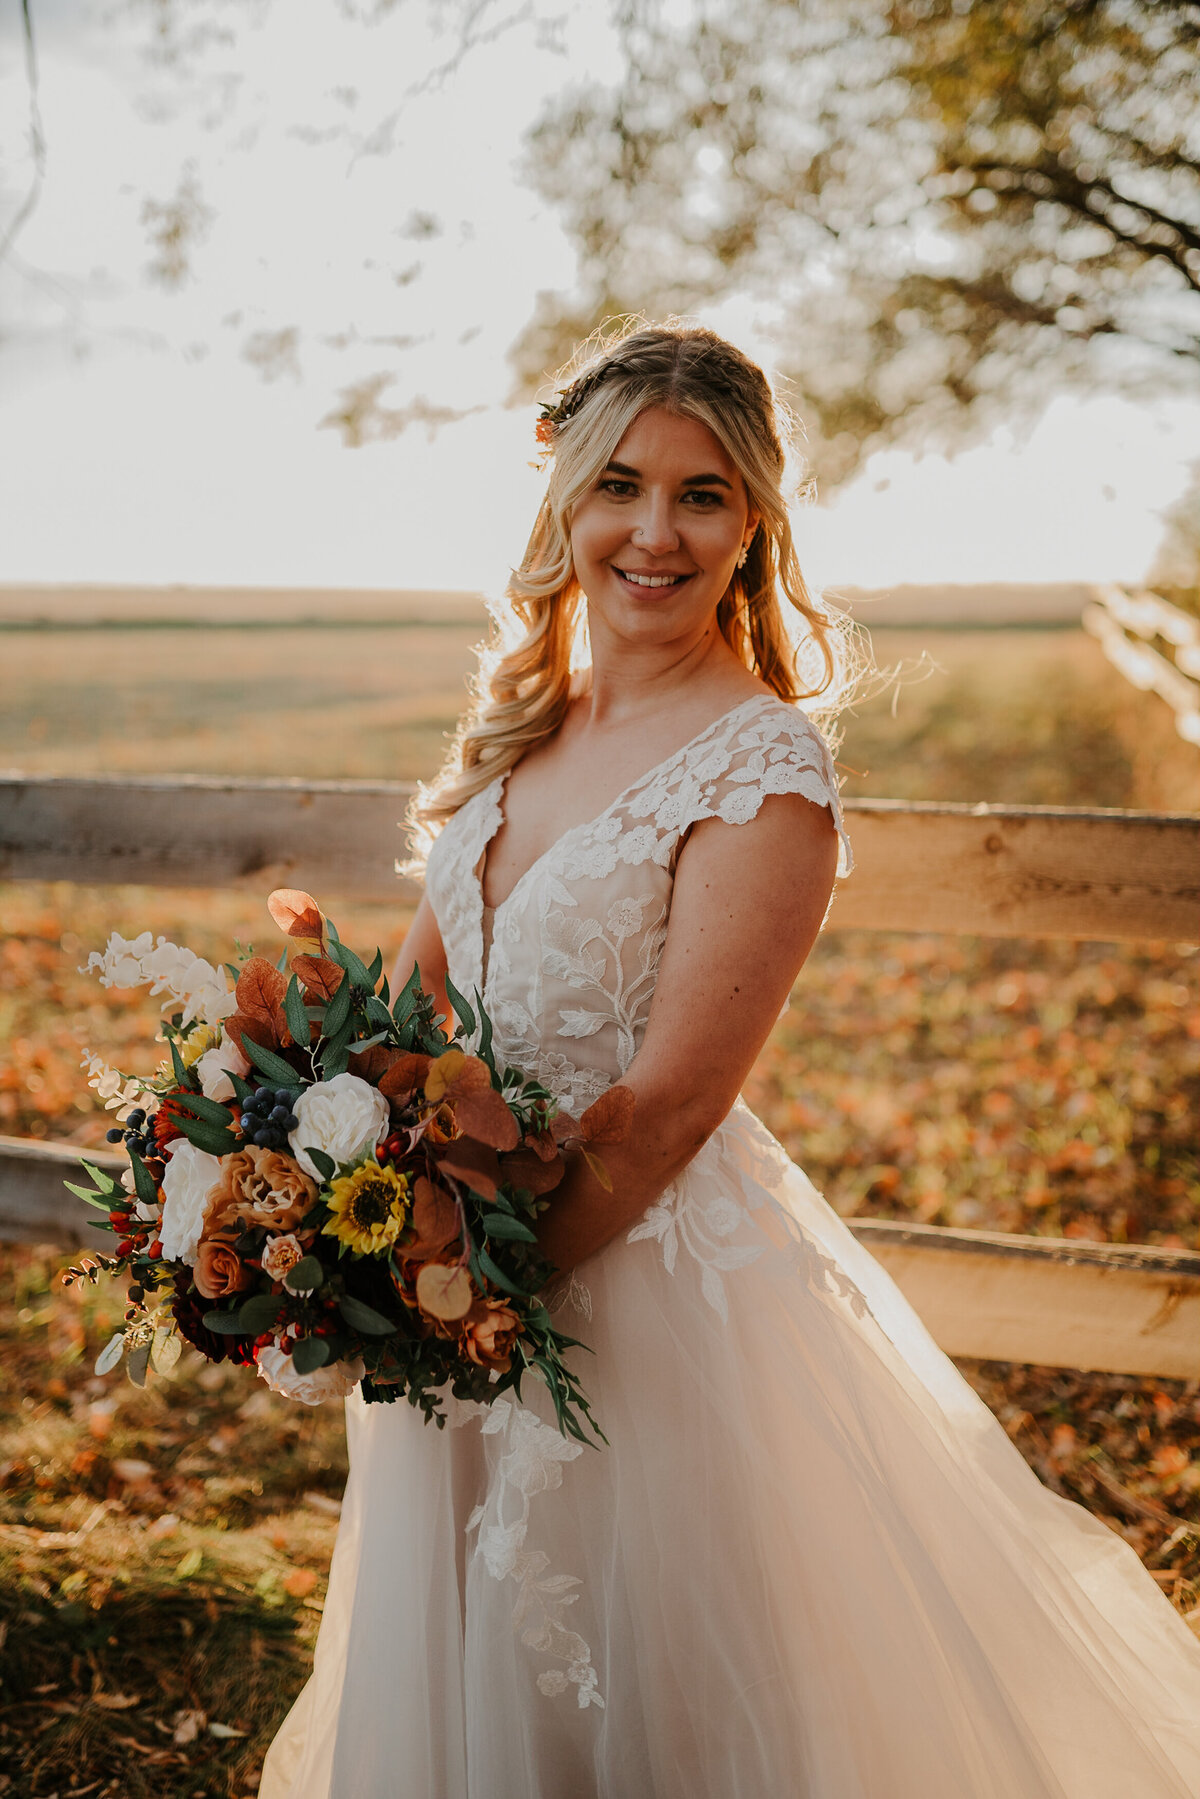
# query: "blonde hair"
524, 686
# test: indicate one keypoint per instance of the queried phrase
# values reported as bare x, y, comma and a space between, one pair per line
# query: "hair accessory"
566, 403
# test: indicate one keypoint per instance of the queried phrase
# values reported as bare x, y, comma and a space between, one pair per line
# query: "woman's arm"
423, 946
747, 905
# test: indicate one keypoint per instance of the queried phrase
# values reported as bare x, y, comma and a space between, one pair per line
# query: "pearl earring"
741, 561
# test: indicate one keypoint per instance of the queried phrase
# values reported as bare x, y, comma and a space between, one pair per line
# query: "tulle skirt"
809, 1564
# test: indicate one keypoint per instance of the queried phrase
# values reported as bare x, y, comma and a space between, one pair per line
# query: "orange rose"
259, 1186
488, 1332
218, 1271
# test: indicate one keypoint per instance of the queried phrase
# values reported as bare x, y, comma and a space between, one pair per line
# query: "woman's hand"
747, 905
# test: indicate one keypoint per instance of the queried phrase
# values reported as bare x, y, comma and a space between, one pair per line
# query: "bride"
809, 1564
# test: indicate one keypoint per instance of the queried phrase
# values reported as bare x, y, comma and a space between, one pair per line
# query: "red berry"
155, 1250
118, 1219
125, 1246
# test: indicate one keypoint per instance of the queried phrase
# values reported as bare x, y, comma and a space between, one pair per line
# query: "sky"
363, 213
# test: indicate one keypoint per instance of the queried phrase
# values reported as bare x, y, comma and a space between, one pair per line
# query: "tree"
943, 208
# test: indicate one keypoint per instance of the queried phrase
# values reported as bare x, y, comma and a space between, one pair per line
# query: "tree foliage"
940, 207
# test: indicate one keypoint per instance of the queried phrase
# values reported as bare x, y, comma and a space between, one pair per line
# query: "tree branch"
37, 140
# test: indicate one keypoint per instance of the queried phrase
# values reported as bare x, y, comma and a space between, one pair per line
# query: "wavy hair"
524, 683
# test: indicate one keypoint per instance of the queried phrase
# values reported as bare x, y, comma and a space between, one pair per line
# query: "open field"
1025, 716
161, 1568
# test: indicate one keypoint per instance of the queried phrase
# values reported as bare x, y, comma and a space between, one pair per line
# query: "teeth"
651, 580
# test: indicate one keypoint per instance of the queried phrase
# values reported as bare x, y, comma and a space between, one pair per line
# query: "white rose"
343, 1117
334, 1381
190, 1176
215, 1067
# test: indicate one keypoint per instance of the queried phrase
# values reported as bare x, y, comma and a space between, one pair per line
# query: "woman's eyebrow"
622, 468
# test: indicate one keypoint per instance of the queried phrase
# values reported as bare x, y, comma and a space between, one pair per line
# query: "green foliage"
944, 205
276, 1070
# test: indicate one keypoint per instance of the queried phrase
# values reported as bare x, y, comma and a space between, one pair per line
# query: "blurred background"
278, 285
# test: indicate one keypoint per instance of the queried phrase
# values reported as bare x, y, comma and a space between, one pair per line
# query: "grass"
163, 1553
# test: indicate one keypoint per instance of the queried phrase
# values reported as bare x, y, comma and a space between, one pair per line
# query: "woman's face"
656, 541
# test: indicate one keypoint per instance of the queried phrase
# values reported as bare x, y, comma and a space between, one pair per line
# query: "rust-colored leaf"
435, 1220
320, 977
608, 1119
455, 1074
443, 1292
263, 1031
563, 1127
406, 1073
260, 990
297, 914
526, 1168
372, 1064
483, 1114
598, 1169
475, 1164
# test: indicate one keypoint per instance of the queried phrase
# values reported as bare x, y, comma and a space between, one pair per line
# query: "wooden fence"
999, 871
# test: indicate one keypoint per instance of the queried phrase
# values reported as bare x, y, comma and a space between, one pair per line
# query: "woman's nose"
655, 531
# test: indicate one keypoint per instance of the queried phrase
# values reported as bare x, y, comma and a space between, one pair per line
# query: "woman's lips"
647, 582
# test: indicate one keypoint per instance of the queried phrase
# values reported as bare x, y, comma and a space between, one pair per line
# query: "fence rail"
997, 870
1127, 1309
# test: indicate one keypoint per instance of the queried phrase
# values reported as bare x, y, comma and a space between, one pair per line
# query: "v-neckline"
496, 794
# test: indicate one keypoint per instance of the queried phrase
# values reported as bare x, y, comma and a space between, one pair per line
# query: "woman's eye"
707, 499
620, 488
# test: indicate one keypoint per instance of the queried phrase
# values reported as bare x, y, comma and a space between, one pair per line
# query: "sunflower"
369, 1208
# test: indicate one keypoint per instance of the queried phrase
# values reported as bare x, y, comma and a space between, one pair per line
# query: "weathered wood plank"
1034, 871
1125, 1309
999, 871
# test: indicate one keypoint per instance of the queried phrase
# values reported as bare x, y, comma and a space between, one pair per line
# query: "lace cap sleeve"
779, 750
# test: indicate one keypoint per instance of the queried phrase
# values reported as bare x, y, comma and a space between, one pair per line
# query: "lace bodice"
575, 947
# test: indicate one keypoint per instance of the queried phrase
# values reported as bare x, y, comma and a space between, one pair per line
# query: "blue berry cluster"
267, 1117
137, 1135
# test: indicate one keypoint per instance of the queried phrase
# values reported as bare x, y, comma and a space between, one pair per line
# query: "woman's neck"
628, 681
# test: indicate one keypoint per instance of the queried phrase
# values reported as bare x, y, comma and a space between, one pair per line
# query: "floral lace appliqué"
532, 1463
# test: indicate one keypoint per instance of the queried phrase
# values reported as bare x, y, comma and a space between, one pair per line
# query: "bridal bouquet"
324, 1188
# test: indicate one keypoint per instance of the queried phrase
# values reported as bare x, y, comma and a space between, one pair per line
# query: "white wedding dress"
810, 1564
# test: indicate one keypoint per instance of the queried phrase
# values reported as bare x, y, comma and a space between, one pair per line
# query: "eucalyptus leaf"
277, 1071
137, 1363
309, 1354
143, 1180
356, 969
485, 1033
362, 1317
224, 1324
499, 1224
165, 1350
111, 1354
104, 1181
324, 1164
465, 1015
210, 1110
259, 1313
497, 1275
306, 1276
89, 1196
208, 1137
338, 1010
294, 1011
182, 1074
